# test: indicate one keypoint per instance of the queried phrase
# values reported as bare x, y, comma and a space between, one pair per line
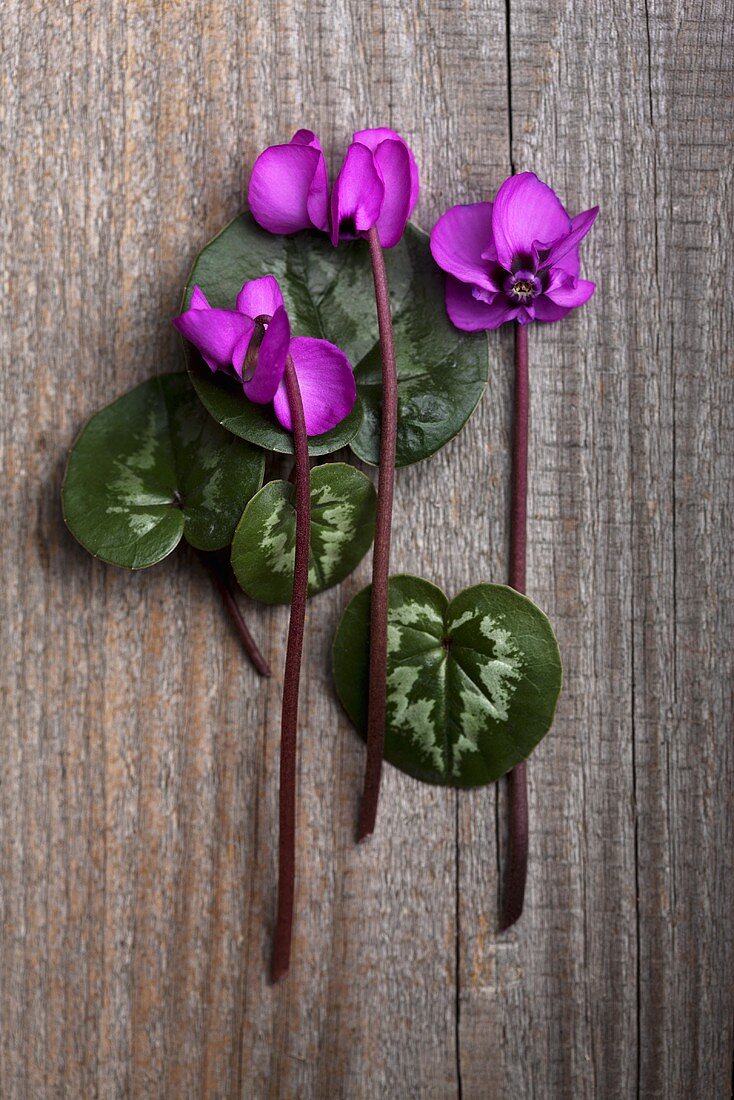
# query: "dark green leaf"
154, 466
329, 294
343, 505
257, 423
441, 371
472, 683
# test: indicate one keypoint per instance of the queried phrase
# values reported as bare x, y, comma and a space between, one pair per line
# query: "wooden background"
138, 759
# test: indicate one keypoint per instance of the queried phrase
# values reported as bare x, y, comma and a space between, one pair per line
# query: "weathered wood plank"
563, 981
683, 688
630, 895
138, 803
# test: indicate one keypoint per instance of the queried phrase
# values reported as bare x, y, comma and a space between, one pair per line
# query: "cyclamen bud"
377, 186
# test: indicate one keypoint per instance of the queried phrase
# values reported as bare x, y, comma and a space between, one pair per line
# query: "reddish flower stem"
381, 554
291, 681
517, 857
220, 573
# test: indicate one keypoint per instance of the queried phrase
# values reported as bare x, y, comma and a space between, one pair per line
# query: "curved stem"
381, 553
517, 857
289, 714
220, 573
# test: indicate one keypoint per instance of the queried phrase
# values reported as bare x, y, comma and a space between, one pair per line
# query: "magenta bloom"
376, 186
516, 259
251, 343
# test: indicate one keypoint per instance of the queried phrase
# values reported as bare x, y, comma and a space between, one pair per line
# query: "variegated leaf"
343, 504
472, 683
152, 467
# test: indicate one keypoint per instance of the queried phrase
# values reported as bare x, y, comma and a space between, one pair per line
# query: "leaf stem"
291, 681
381, 554
220, 573
516, 870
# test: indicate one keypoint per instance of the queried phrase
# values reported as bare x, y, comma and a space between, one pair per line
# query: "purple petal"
260, 297
288, 182
317, 203
306, 137
327, 385
393, 164
198, 299
546, 310
526, 212
358, 194
239, 353
471, 314
215, 332
373, 138
271, 357
568, 291
580, 226
569, 263
458, 239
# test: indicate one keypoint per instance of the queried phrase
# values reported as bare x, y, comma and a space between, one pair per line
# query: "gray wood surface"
138, 760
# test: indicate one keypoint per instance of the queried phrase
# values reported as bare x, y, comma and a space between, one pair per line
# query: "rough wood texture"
139, 757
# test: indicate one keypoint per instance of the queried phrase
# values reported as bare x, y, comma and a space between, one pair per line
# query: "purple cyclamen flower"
514, 259
376, 186
252, 342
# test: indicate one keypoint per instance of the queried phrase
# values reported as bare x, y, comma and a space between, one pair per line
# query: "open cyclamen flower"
252, 342
516, 259
377, 186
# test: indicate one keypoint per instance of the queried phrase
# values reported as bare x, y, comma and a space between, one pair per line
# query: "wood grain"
138, 802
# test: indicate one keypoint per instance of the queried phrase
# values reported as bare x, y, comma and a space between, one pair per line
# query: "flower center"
523, 286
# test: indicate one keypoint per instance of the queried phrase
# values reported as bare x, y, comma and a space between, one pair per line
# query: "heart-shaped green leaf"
154, 466
256, 423
343, 503
472, 683
329, 294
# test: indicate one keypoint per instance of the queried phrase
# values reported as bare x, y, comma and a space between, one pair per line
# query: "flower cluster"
513, 259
